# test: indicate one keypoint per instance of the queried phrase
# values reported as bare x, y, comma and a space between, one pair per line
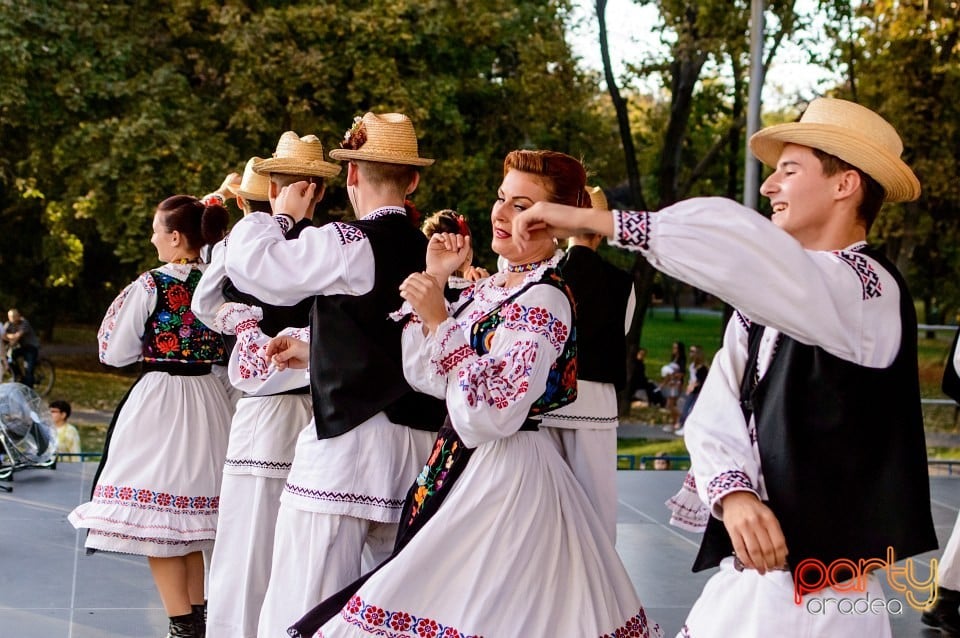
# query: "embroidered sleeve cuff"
631, 229
725, 483
234, 318
285, 222
449, 349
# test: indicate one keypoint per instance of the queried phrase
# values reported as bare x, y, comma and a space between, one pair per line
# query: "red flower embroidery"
374, 615
144, 496
188, 318
450, 632
199, 502
167, 342
427, 628
511, 312
538, 317
126, 493
401, 621
164, 499
215, 502
178, 296
354, 605
182, 502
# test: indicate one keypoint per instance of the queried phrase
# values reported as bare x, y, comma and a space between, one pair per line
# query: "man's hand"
560, 221
446, 252
425, 294
755, 532
233, 179
295, 199
287, 352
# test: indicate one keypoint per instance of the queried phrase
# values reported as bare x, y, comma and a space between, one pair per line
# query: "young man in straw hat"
585, 432
268, 417
791, 449
371, 432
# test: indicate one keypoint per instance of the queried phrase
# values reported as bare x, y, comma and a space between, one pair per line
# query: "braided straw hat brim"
390, 138
851, 132
293, 166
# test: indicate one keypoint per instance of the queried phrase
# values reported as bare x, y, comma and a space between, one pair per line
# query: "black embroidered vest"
842, 450
601, 291
172, 333
355, 357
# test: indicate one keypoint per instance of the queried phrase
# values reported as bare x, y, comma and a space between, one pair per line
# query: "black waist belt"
302, 390
177, 368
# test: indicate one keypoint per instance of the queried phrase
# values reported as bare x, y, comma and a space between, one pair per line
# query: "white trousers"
240, 567
948, 571
315, 556
748, 605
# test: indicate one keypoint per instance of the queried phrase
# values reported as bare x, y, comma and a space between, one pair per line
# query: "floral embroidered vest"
561, 387
173, 333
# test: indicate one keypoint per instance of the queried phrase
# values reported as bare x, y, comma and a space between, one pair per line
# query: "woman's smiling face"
518, 192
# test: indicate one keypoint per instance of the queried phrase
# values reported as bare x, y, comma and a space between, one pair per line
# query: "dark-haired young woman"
156, 490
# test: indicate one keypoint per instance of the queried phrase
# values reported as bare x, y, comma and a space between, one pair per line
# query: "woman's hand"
294, 200
425, 294
475, 273
446, 252
287, 352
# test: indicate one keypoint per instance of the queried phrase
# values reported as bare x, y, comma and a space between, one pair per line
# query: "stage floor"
52, 589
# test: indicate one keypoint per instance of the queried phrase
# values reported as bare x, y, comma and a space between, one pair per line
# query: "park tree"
691, 141
114, 106
902, 59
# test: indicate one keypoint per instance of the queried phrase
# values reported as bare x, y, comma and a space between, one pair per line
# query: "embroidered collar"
386, 210
856, 247
526, 267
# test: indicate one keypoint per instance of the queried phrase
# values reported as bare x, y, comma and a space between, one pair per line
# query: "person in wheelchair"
23, 342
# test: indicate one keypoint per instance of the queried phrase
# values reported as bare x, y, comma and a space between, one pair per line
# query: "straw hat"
388, 138
252, 186
851, 132
298, 156
597, 197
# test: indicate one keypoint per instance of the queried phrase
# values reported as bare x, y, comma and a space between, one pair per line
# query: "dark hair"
563, 176
445, 221
873, 192
259, 206
61, 405
199, 224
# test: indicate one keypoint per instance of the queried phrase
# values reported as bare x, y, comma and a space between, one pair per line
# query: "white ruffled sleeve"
335, 258
120, 336
488, 397
249, 369
723, 451
208, 297
741, 257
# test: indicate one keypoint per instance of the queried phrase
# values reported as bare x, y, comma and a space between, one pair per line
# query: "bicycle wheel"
43, 376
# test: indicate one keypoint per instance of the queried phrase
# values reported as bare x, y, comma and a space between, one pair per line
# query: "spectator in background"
639, 382
68, 438
24, 343
698, 374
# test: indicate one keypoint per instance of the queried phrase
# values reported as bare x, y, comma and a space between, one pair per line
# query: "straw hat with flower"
851, 132
253, 186
298, 156
388, 138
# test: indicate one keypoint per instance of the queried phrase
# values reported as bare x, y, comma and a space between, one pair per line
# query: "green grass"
644, 447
